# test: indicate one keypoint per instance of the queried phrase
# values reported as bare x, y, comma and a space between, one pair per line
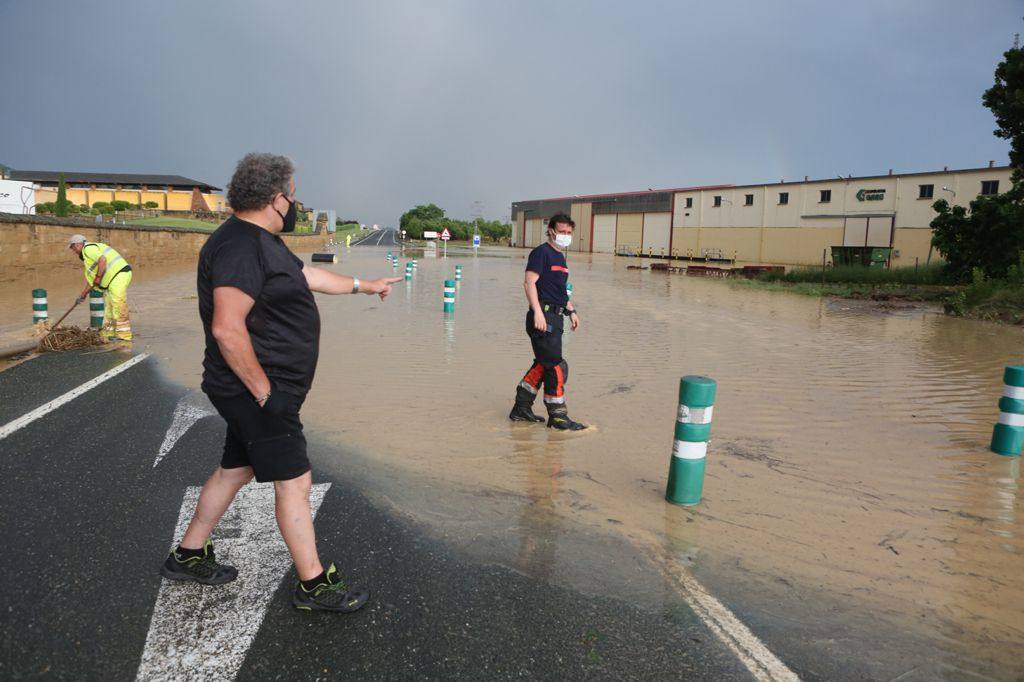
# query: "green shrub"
151, 204
856, 274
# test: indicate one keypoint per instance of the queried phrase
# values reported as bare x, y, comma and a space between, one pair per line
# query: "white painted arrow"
187, 412
201, 632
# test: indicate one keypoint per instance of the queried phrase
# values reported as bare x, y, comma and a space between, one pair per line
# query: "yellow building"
788, 223
169, 192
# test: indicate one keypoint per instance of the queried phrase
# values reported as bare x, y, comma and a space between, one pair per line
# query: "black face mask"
290, 217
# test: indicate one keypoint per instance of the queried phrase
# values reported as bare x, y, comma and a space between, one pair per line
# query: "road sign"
427, 234
476, 240
445, 234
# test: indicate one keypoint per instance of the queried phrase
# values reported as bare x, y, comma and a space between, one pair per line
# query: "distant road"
378, 238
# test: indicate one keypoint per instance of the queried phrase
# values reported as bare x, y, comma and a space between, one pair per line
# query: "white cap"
77, 239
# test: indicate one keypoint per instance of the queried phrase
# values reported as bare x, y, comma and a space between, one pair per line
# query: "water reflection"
539, 464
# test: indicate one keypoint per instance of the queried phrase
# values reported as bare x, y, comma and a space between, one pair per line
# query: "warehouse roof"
155, 181
615, 197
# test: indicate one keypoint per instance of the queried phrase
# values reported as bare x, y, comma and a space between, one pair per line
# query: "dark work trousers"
549, 367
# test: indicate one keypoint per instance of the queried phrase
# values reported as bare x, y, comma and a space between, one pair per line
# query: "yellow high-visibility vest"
91, 254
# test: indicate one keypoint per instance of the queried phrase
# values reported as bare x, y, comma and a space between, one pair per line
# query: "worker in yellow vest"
106, 270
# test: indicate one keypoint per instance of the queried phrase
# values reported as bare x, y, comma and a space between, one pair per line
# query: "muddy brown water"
848, 460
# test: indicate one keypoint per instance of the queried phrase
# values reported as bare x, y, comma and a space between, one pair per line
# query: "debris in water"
67, 338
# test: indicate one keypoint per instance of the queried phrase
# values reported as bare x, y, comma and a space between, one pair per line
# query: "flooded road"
851, 508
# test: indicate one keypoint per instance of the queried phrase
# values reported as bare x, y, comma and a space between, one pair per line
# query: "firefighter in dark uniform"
547, 275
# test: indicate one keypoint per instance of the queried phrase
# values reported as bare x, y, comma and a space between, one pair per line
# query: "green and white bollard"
449, 296
408, 271
568, 291
693, 426
458, 273
96, 309
390, 256
414, 265
40, 309
1008, 434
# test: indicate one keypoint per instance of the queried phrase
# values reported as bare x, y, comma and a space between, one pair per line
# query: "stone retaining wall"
32, 242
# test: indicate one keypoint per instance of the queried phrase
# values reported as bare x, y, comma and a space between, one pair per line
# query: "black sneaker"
332, 595
199, 569
563, 423
524, 413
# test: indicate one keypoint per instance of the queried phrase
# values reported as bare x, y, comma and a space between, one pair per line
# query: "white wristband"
355, 285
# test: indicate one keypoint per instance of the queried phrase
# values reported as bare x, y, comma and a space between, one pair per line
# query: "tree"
989, 236
62, 206
422, 213
1006, 101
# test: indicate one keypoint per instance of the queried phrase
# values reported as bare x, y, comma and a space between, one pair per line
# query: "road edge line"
41, 411
752, 652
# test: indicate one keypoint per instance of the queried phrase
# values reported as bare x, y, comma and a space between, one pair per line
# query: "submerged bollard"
693, 426
414, 265
408, 271
568, 290
449, 296
1008, 434
96, 309
458, 273
390, 256
39, 307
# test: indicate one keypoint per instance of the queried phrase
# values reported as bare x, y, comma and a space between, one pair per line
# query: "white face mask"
564, 241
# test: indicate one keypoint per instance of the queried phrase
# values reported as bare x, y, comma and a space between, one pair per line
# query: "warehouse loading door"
604, 233
880, 231
657, 227
855, 232
873, 231
629, 233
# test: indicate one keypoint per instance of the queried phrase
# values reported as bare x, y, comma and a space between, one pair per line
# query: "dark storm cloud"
383, 105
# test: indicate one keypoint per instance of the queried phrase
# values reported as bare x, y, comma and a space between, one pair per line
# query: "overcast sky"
384, 105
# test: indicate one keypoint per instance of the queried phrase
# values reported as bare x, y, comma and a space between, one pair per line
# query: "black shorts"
269, 439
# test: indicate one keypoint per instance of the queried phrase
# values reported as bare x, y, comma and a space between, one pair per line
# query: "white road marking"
41, 411
200, 632
751, 651
186, 413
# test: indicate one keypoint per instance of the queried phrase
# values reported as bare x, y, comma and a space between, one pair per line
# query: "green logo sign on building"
870, 194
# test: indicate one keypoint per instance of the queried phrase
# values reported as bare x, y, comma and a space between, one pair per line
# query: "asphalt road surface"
378, 238
95, 485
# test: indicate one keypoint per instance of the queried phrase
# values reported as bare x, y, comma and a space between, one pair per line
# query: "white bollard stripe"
39, 300
695, 415
687, 450
1015, 392
40, 313
1011, 419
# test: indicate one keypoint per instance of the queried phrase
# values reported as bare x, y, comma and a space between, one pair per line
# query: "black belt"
556, 309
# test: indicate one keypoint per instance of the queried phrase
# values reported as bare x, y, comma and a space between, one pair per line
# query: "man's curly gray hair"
257, 179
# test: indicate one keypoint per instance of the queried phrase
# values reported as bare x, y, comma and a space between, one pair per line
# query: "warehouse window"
925, 191
826, 196
689, 202
783, 197
718, 201
989, 187
748, 200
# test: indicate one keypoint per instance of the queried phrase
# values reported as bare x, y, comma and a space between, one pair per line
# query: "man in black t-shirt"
547, 275
262, 339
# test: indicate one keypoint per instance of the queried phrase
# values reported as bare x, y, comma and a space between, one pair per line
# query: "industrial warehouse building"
786, 223
168, 192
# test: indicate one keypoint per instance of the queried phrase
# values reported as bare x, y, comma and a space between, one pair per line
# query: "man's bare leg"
214, 500
295, 520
